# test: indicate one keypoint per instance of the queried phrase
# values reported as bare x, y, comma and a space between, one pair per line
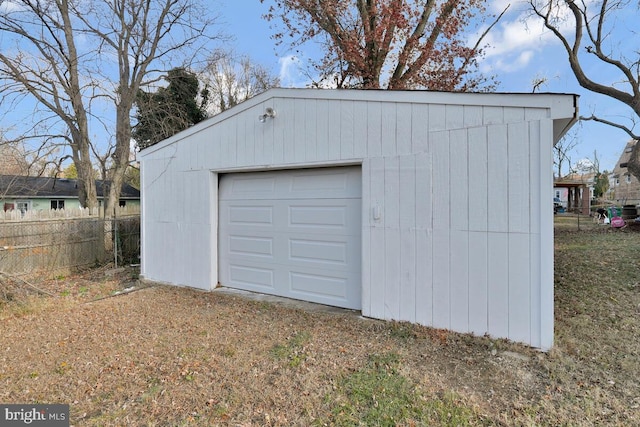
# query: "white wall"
463, 183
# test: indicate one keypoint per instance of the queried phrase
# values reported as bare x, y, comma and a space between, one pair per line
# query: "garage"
292, 233
427, 207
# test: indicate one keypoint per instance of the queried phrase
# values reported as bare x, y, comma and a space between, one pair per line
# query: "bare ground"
161, 355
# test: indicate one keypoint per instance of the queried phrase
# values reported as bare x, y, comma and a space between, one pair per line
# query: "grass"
379, 395
176, 356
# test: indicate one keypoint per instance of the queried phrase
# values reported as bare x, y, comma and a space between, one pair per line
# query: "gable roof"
563, 109
16, 186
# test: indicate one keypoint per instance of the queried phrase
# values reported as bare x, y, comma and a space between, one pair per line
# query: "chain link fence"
57, 246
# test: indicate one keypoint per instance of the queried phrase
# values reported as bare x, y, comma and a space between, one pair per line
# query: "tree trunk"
633, 166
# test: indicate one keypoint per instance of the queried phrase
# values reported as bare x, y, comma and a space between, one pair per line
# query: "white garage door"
293, 233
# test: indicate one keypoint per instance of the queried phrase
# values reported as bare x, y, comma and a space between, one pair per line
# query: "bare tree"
44, 63
591, 38
125, 45
561, 152
231, 79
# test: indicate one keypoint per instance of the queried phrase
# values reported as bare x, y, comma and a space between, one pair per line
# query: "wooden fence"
35, 215
57, 246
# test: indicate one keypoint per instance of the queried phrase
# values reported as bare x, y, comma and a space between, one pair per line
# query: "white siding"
456, 225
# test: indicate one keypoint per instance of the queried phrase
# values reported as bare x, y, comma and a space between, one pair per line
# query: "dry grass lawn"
165, 356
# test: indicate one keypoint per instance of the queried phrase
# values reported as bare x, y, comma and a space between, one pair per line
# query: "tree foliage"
392, 44
600, 62
169, 109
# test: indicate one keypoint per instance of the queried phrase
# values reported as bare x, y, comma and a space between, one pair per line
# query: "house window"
628, 179
122, 203
558, 194
23, 206
57, 204
617, 181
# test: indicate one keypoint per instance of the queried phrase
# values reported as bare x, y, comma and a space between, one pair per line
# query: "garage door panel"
318, 216
260, 279
252, 187
318, 252
322, 286
251, 246
326, 183
250, 215
291, 239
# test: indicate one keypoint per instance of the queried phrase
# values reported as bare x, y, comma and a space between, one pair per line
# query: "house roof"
15, 186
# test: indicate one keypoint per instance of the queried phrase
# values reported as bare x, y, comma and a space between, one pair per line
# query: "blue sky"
521, 52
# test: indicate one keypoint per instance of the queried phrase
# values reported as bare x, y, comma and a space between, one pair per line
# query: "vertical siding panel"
311, 130
403, 128
545, 285
322, 129
392, 237
346, 129
454, 116
210, 151
266, 142
242, 151
374, 129
492, 115
519, 301
459, 179
498, 298
536, 194
289, 131
518, 178
424, 253
439, 142
498, 178
259, 136
367, 225
459, 268
533, 114
498, 278
335, 121
419, 128
301, 134
478, 188
459, 236
472, 116
408, 238
250, 137
360, 129
536, 166
389, 143
513, 115
478, 283
478, 223
437, 117
377, 266
279, 126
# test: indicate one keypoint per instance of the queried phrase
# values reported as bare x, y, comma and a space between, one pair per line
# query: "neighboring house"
624, 188
416, 206
575, 191
27, 193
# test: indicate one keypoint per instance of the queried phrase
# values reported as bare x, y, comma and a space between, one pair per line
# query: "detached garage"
428, 207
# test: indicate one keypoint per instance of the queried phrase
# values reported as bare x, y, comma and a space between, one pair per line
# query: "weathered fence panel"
56, 246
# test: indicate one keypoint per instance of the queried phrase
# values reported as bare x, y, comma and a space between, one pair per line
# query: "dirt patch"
162, 355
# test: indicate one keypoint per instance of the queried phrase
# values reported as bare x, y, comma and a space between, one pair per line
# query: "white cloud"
518, 37
289, 71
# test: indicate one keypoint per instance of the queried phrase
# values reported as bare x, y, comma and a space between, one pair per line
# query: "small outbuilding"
428, 207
